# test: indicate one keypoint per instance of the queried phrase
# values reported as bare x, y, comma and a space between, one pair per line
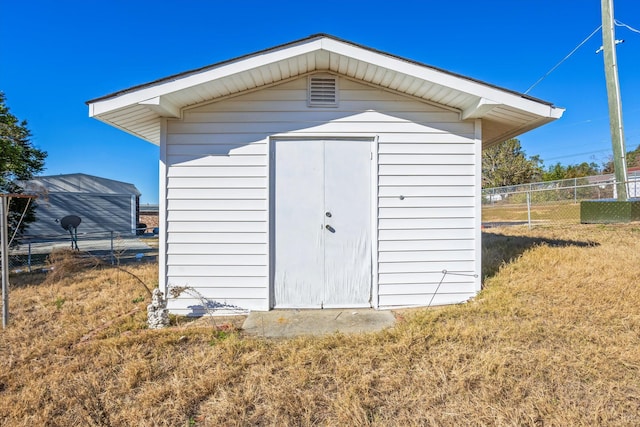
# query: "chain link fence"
550, 201
30, 253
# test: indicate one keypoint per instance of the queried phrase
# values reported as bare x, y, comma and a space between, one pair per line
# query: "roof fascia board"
107, 105
440, 78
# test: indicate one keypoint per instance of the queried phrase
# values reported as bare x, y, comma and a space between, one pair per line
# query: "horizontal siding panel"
420, 267
217, 270
217, 259
426, 191
216, 171
217, 149
219, 281
438, 170
217, 227
210, 237
293, 105
225, 182
426, 148
193, 307
390, 301
423, 256
215, 208
425, 202
176, 138
425, 223
441, 233
214, 216
221, 193
426, 245
408, 278
217, 204
433, 212
426, 159
426, 288
257, 138
221, 204
313, 116
314, 127
430, 138
426, 180
221, 160
222, 293
221, 248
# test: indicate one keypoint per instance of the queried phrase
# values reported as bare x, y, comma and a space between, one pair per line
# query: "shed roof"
505, 113
79, 183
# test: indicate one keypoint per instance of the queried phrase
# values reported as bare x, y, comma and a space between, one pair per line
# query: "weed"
59, 302
63, 263
138, 299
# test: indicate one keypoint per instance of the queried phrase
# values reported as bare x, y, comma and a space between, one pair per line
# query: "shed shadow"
214, 308
499, 249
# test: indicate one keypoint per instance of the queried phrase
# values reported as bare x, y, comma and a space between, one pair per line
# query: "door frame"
373, 141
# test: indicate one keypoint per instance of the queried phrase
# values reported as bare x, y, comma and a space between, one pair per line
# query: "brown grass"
553, 339
567, 212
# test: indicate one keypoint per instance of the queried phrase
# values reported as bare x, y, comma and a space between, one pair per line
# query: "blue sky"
55, 55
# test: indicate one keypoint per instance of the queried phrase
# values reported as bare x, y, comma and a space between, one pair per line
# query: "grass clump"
551, 340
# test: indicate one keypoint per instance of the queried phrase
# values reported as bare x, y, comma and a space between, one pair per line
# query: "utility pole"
613, 95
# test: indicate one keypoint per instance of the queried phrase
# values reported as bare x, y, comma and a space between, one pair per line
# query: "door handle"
330, 228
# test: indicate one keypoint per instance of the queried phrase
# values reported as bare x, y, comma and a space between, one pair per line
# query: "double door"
322, 223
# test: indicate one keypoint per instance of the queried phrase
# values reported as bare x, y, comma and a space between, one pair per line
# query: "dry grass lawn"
553, 339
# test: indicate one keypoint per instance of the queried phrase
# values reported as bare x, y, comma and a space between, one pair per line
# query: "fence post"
529, 209
112, 256
29, 257
575, 190
4, 255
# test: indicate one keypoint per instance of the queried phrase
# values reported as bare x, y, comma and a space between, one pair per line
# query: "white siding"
217, 184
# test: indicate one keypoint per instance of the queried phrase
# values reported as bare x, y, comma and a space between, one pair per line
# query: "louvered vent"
323, 91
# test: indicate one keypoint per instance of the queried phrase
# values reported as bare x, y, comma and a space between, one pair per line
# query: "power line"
622, 24
577, 154
563, 59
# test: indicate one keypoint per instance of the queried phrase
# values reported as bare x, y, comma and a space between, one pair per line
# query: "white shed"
320, 173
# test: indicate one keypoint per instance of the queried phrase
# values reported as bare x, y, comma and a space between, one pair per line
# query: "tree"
507, 164
19, 161
633, 161
558, 171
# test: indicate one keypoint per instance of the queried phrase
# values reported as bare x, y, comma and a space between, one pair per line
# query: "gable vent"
323, 91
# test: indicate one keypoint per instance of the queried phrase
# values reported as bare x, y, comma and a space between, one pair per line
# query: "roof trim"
505, 113
293, 43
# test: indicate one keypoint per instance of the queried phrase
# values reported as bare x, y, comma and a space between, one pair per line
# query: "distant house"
320, 173
102, 204
608, 181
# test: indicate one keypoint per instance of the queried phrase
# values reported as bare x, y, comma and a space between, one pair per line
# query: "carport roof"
505, 113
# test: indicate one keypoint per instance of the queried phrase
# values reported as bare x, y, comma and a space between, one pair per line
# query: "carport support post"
4, 239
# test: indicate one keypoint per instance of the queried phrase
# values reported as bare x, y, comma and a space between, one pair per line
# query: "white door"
322, 223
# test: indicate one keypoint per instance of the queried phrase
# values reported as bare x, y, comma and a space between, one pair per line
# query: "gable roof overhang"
505, 113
